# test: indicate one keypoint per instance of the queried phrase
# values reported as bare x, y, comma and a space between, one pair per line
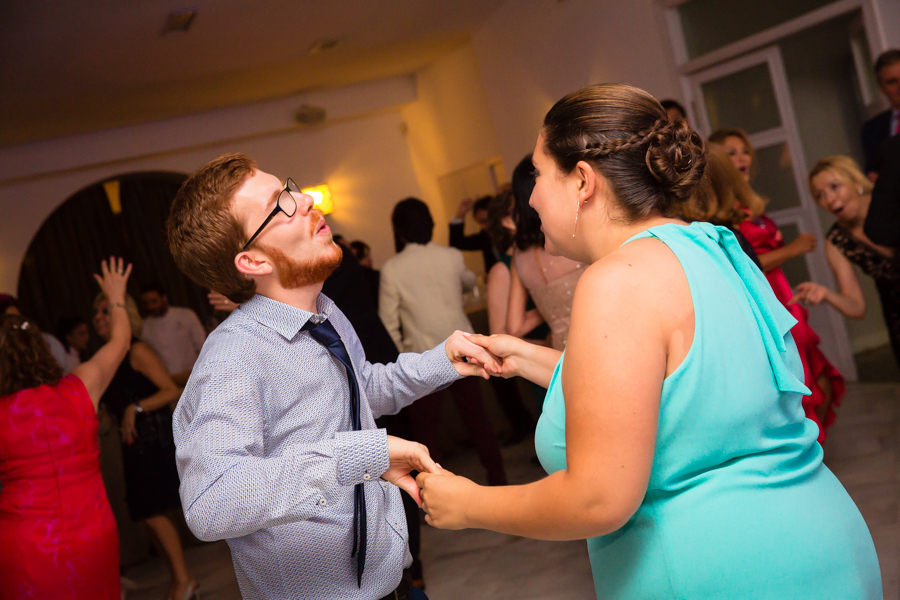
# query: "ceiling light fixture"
178, 22
323, 46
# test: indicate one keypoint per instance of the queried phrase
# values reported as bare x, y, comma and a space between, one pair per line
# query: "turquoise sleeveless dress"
739, 504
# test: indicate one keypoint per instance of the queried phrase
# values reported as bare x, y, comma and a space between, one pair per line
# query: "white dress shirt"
420, 300
177, 337
268, 457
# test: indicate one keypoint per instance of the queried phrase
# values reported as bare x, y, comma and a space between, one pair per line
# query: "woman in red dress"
824, 381
59, 537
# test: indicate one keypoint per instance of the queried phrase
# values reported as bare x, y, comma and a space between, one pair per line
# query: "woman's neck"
860, 218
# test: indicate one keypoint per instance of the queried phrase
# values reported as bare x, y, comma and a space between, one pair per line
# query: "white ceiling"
69, 67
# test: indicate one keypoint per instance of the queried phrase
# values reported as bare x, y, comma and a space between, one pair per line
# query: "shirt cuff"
361, 455
437, 364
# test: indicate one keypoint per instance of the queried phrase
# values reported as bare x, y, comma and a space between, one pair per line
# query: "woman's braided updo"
623, 133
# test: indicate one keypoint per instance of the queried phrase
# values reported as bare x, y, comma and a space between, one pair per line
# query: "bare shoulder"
643, 269
142, 353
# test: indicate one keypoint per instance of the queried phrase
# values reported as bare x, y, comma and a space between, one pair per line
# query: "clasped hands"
440, 493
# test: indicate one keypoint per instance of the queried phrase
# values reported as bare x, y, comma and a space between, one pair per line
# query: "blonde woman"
140, 395
839, 186
825, 382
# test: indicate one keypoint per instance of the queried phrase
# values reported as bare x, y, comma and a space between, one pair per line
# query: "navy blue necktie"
325, 334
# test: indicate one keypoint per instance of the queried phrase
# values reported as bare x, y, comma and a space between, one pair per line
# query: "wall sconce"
321, 198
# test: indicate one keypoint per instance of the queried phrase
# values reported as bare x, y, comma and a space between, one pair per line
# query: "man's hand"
503, 348
220, 302
406, 456
444, 498
469, 358
464, 207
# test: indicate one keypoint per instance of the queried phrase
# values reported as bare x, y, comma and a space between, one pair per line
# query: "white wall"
362, 154
533, 52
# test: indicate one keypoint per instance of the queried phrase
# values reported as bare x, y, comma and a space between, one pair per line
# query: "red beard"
294, 274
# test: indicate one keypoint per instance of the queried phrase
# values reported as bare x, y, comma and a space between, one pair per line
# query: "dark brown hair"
886, 59
25, 359
625, 134
204, 234
500, 207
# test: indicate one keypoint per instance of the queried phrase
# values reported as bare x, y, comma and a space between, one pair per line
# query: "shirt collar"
284, 318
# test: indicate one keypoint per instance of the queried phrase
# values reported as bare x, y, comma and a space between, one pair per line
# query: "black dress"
151, 477
883, 269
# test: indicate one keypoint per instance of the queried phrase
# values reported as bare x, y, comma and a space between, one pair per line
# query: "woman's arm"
97, 373
145, 361
849, 301
805, 242
498, 280
616, 361
520, 358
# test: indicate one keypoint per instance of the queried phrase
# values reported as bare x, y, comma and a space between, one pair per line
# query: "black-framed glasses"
286, 203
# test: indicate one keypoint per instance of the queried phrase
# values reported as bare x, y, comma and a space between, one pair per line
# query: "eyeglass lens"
287, 201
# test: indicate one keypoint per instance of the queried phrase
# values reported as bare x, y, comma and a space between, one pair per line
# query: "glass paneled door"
751, 92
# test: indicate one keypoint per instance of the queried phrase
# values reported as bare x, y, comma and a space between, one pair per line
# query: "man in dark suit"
882, 225
478, 241
884, 125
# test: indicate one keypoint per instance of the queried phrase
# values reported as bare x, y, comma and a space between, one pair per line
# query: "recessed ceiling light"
323, 46
178, 22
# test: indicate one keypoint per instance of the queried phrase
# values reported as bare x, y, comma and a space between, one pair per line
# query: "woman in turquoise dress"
673, 431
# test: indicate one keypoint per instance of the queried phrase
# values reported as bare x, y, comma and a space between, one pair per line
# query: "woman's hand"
126, 427
113, 279
504, 347
809, 293
805, 242
444, 498
469, 358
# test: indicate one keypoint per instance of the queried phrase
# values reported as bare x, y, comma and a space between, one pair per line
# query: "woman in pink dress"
825, 382
59, 537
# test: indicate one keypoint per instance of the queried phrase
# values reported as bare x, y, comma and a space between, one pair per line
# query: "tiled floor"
862, 450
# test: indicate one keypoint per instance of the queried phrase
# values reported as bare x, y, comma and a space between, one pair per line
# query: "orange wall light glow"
322, 196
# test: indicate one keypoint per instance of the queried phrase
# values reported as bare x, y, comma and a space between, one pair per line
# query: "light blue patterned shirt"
268, 459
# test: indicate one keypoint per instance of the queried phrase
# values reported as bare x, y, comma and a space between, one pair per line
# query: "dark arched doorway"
55, 279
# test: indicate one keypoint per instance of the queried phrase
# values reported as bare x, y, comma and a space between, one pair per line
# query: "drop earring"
577, 207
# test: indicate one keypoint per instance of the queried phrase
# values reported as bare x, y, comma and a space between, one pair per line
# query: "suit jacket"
883, 221
421, 295
875, 132
478, 241
349, 287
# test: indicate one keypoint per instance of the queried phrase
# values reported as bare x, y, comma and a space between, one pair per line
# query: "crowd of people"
633, 279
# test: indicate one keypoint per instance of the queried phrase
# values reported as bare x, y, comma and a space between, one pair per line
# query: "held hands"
809, 293
503, 348
469, 357
113, 279
444, 496
406, 456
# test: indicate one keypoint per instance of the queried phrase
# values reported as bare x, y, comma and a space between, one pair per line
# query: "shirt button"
367, 477
322, 501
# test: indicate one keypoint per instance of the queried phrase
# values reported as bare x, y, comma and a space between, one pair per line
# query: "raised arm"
805, 242
97, 373
849, 300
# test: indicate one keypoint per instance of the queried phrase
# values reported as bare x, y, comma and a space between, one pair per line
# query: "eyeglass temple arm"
271, 216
